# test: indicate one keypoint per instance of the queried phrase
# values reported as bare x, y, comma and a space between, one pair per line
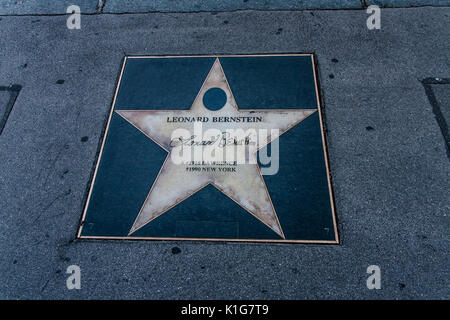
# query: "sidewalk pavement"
388, 157
45, 7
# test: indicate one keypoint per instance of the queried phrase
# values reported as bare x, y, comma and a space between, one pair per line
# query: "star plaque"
226, 148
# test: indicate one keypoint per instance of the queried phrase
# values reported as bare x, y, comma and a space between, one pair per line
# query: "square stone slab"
155, 179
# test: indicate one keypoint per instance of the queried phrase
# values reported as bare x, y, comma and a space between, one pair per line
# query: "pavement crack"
45, 285
101, 10
45, 208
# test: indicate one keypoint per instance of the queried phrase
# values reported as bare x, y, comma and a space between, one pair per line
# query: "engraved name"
214, 119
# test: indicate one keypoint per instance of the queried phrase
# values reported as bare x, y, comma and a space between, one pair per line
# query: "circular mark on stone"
176, 250
335, 60
331, 76
60, 81
84, 139
214, 99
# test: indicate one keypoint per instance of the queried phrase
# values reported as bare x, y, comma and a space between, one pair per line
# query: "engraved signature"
221, 140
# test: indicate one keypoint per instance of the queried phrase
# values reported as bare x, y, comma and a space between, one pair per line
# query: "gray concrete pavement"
45, 7
30, 7
114, 6
406, 3
387, 154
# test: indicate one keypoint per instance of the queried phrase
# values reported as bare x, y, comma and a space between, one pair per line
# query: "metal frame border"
324, 144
